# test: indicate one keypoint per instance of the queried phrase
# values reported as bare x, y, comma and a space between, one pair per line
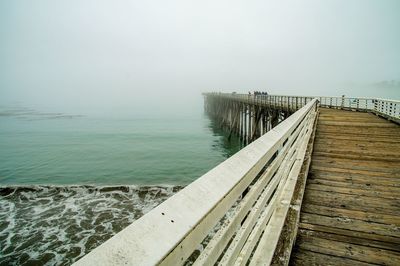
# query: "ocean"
69, 182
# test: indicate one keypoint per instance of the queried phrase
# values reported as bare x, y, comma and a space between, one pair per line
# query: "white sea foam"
53, 225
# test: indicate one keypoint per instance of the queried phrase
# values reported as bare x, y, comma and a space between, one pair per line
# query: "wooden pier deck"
351, 208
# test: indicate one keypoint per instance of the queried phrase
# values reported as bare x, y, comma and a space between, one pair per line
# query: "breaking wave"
57, 225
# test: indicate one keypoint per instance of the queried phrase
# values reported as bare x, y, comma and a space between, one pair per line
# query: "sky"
132, 56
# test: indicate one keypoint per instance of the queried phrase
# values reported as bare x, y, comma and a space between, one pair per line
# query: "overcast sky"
127, 55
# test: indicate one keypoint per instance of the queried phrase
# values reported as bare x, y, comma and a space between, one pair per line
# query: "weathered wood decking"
351, 208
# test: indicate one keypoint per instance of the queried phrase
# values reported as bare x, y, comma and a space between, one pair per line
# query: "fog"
142, 56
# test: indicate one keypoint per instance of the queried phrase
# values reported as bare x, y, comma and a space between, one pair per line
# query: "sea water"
70, 182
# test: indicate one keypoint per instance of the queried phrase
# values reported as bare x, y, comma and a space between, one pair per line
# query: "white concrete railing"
235, 209
390, 109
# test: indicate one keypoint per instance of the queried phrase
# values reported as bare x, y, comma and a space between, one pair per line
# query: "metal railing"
233, 214
389, 109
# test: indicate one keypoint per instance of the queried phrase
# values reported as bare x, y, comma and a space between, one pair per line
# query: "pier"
317, 184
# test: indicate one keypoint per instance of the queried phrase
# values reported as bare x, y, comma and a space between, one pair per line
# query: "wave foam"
56, 225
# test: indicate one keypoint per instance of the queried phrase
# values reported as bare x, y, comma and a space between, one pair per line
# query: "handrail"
226, 210
390, 109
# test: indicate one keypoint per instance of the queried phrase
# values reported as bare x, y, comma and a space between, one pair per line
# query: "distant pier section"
317, 184
251, 115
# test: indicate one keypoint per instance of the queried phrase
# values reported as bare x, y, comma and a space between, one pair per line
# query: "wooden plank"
355, 116
340, 135
372, 131
343, 163
355, 123
361, 148
355, 179
359, 161
370, 157
349, 251
348, 236
360, 128
361, 173
371, 136
354, 202
339, 116
307, 258
353, 141
350, 184
331, 118
336, 112
352, 121
352, 214
361, 131
353, 224
356, 145
353, 191
362, 152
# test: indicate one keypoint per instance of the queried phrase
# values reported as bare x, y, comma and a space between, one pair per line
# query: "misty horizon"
124, 140
135, 57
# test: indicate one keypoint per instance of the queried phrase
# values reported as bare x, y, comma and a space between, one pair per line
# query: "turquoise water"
50, 148
70, 182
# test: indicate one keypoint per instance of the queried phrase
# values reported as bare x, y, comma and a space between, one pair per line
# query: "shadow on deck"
351, 207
